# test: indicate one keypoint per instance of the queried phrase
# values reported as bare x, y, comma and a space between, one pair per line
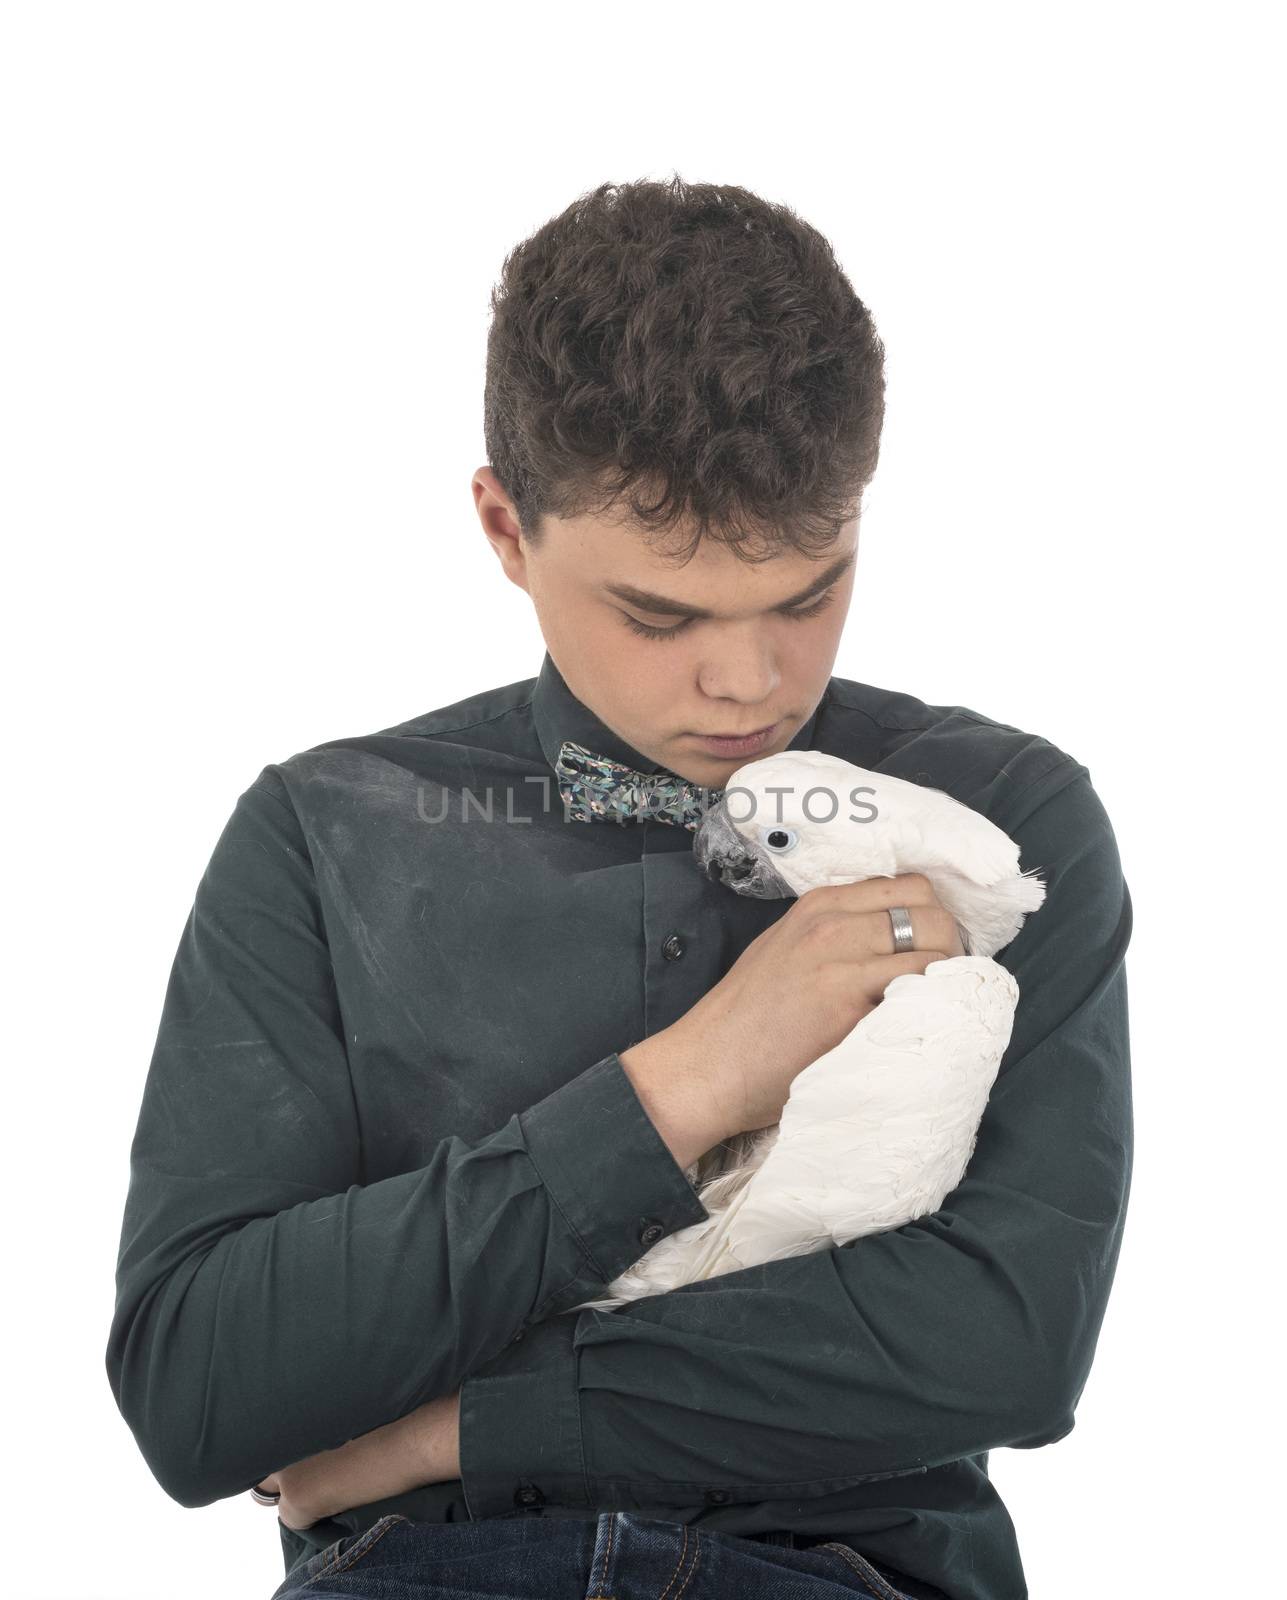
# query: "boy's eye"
652, 633
669, 633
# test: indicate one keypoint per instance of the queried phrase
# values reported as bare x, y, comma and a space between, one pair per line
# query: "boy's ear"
500, 525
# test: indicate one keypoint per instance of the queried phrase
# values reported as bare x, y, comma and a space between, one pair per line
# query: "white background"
247, 260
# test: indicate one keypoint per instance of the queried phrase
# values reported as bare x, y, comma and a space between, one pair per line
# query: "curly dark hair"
664, 351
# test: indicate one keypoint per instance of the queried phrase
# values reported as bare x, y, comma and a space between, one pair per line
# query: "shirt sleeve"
269, 1305
971, 1328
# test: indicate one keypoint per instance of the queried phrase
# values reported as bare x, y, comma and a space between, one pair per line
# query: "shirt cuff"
520, 1425
608, 1169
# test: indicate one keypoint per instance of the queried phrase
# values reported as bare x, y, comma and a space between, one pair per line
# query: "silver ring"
904, 938
264, 1498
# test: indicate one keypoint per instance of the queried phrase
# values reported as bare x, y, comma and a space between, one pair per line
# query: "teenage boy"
455, 1015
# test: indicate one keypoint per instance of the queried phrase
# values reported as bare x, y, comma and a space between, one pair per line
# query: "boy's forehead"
616, 557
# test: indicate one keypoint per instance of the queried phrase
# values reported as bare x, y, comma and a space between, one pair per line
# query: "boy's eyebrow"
664, 606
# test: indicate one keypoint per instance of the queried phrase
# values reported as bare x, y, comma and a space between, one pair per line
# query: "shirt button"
717, 1497
650, 1232
528, 1495
673, 947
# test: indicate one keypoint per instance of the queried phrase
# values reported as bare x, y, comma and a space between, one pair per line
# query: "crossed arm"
223, 1235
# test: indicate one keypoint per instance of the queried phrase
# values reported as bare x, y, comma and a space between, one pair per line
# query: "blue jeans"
614, 1556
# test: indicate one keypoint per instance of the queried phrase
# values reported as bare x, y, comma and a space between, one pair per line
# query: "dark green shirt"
386, 1142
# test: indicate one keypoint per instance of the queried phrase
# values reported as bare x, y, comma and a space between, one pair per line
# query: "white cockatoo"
877, 1131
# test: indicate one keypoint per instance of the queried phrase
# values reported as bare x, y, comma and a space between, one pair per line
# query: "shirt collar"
559, 715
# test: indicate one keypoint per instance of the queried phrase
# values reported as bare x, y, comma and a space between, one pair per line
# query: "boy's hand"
796, 991
422, 1447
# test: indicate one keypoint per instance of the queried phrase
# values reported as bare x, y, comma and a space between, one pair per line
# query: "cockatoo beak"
725, 857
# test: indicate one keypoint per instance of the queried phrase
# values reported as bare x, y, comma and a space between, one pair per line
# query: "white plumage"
876, 1132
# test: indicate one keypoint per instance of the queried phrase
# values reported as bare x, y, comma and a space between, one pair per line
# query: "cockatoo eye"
779, 840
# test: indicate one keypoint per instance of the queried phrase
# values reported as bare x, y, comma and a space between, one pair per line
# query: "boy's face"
748, 664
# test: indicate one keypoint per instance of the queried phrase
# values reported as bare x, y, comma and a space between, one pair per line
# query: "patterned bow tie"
594, 787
